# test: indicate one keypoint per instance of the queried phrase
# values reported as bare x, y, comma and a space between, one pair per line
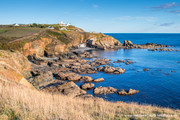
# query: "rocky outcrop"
151, 46
127, 43
87, 86
67, 76
99, 80
14, 67
40, 78
104, 90
68, 88
109, 69
86, 78
129, 92
102, 41
100, 61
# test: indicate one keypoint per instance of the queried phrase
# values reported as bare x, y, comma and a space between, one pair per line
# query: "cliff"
13, 67
54, 42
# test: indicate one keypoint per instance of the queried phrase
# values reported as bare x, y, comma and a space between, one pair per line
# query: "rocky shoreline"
60, 74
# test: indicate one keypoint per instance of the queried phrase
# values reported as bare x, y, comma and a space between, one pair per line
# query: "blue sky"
115, 16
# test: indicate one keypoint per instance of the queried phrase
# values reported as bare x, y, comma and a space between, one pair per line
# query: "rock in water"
104, 90
86, 78
99, 80
87, 86
127, 43
122, 92
146, 69
132, 92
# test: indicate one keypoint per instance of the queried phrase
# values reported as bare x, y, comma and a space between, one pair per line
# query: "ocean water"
159, 86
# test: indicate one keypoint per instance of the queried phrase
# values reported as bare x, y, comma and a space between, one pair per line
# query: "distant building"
16, 24
82, 45
63, 28
63, 24
50, 27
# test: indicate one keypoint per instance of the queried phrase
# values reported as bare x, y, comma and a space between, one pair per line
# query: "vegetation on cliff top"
20, 103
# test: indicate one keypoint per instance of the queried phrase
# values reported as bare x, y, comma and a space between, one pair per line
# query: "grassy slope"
18, 102
11, 33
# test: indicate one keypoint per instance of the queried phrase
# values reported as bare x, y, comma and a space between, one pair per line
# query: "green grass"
10, 34
60, 36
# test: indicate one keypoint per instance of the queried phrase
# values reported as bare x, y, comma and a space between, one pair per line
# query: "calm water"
158, 86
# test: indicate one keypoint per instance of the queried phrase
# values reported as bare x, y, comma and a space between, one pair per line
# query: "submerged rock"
104, 90
146, 69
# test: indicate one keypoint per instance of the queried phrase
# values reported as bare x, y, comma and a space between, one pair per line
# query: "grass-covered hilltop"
39, 67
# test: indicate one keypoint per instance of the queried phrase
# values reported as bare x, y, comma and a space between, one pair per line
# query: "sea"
160, 86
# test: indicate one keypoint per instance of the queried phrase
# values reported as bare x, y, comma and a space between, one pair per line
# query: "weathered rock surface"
87, 78
109, 69
100, 61
104, 42
127, 43
99, 80
129, 92
104, 90
67, 76
14, 67
87, 86
40, 78
68, 88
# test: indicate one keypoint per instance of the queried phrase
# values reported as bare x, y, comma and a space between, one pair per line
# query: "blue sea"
159, 86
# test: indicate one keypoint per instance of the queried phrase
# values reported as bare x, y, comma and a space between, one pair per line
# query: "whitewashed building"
16, 24
64, 24
82, 45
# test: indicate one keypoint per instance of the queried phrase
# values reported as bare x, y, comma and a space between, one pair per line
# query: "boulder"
109, 69
74, 77
63, 75
68, 88
87, 86
132, 92
127, 43
86, 78
104, 90
39, 78
129, 92
122, 92
99, 80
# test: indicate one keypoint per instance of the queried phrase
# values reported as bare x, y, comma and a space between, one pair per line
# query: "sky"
106, 16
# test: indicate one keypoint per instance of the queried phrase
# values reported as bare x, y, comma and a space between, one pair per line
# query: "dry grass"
18, 102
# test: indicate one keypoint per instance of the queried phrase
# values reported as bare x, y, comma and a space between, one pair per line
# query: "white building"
16, 24
82, 45
63, 24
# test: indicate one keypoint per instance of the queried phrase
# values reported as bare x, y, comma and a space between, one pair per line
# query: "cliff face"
102, 41
13, 66
55, 43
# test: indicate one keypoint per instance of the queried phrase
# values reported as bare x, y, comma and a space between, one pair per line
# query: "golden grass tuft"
19, 102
